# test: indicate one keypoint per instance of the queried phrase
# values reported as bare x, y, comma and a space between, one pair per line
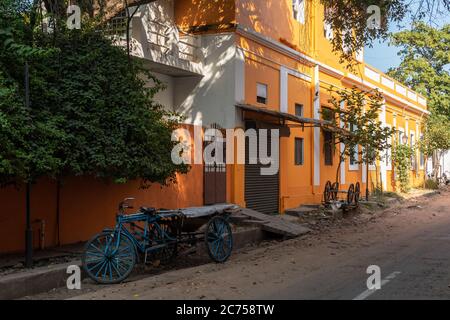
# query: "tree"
424, 68
91, 111
358, 15
435, 140
425, 57
356, 113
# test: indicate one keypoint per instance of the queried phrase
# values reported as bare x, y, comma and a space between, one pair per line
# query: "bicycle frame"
149, 221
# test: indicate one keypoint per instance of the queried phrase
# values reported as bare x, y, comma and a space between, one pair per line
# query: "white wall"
211, 98
445, 163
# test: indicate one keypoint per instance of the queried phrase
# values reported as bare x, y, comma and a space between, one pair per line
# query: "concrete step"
300, 211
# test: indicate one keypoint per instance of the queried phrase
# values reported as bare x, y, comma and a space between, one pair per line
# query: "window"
412, 141
328, 31
422, 156
298, 7
328, 147
261, 93
299, 151
327, 114
400, 136
389, 154
299, 110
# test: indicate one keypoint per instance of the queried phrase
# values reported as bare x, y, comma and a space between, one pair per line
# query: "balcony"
163, 47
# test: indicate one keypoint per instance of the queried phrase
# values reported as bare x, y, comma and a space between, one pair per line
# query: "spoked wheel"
219, 239
165, 238
350, 194
109, 258
327, 192
357, 193
334, 191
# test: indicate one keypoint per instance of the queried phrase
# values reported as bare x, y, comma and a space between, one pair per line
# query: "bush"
431, 184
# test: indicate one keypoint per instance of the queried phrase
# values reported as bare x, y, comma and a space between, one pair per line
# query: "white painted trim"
383, 162
316, 98
393, 98
284, 107
342, 146
284, 49
387, 82
239, 84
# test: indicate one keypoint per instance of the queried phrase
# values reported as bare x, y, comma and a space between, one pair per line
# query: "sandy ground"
410, 242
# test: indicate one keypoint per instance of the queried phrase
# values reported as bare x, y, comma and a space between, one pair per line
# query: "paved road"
410, 243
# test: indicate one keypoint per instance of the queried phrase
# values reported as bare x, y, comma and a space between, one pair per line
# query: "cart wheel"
327, 192
109, 259
357, 193
350, 194
219, 239
335, 189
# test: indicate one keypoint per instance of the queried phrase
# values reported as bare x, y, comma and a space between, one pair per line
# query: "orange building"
233, 64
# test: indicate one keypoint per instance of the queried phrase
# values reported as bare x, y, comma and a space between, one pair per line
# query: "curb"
43, 279
36, 281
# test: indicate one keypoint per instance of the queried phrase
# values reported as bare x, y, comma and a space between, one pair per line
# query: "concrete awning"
284, 118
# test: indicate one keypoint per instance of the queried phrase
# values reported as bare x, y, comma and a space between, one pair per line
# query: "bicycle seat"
149, 211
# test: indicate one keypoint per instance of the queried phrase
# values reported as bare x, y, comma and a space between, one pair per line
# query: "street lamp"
404, 139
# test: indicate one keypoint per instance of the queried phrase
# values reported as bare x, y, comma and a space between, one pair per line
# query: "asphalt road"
410, 243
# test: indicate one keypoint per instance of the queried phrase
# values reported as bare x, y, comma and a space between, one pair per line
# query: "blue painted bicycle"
156, 235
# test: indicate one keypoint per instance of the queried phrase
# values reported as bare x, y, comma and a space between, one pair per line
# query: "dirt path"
410, 243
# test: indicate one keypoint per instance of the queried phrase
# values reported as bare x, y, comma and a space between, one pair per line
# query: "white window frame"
388, 153
400, 139
298, 7
412, 142
355, 166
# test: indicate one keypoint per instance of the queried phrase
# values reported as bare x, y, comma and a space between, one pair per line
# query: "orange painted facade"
87, 206
293, 59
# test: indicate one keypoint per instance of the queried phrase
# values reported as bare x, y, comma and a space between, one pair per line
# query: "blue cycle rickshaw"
110, 256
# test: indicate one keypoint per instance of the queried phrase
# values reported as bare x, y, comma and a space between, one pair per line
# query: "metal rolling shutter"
261, 192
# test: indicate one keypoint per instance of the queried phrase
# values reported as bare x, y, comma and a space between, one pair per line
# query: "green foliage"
425, 57
436, 135
402, 154
91, 113
360, 110
431, 184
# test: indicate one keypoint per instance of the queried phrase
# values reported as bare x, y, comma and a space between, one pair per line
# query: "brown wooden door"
215, 182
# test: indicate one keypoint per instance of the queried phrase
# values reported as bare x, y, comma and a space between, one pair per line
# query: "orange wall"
194, 13
87, 206
275, 19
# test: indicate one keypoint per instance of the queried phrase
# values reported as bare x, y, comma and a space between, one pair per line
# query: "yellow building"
232, 64
283, 62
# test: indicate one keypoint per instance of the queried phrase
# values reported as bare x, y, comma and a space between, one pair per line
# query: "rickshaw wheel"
219, 239
106, 261
350, 194
357, 192
335, 189
327, 192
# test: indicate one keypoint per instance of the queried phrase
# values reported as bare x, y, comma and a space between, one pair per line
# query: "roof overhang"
251, 112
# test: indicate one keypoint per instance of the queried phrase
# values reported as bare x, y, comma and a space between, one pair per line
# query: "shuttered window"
328, 147
299, 151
